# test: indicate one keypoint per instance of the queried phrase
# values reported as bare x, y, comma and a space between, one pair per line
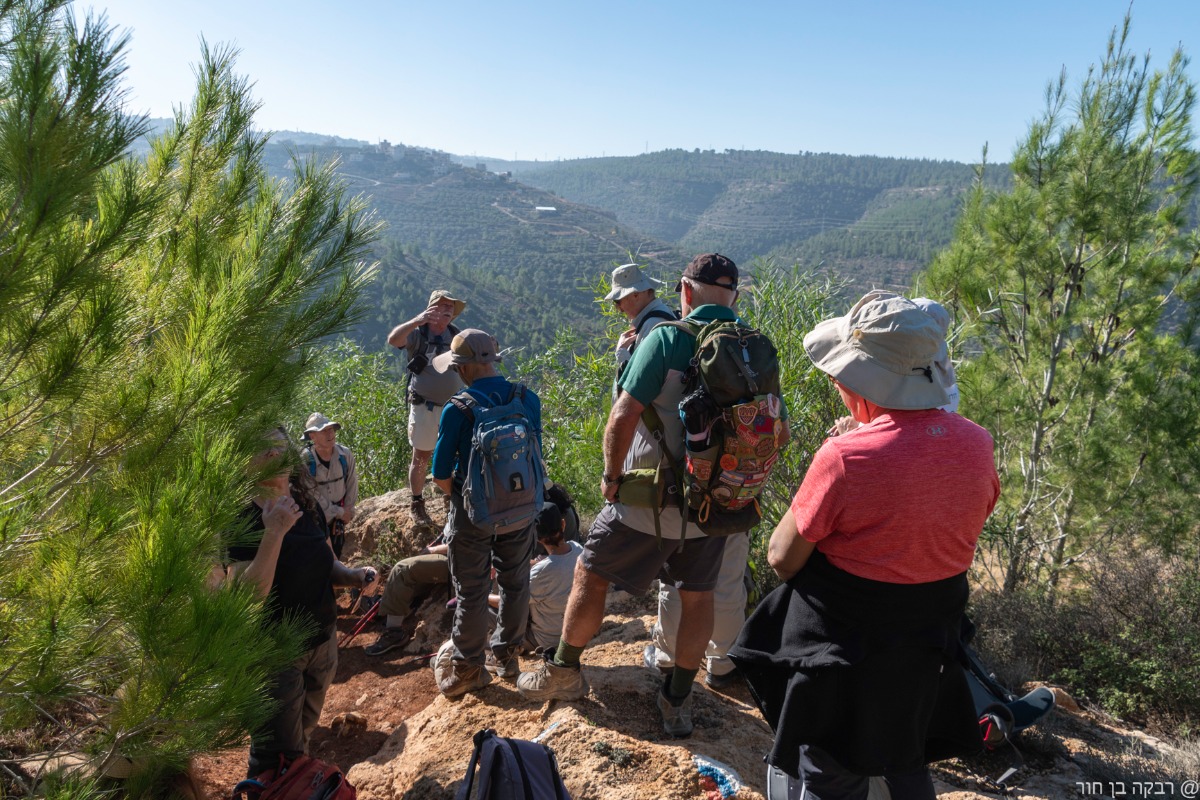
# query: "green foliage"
365, 393
154, 320
1126, 637
786, 304
1076, 297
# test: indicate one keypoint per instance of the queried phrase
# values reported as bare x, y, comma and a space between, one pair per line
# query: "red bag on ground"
304, 778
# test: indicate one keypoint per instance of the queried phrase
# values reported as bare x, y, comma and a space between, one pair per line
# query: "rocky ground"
386, 725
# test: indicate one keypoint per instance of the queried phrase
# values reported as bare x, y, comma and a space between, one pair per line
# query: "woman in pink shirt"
854, 660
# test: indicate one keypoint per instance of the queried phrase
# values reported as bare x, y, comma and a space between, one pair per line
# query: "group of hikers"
853, 659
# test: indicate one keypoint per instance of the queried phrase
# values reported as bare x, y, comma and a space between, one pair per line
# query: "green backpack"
733, 420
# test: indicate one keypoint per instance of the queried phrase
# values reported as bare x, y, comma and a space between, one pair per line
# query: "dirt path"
386, 690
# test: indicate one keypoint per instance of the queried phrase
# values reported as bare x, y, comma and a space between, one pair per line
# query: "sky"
547, 81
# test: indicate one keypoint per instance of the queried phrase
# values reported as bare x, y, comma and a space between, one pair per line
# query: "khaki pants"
412, 579
729, 610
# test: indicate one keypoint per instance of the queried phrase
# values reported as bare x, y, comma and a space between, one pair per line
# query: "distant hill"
526, 259
527, 241
873, 220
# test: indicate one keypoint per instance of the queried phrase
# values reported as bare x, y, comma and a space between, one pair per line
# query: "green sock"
568, 655
679, 685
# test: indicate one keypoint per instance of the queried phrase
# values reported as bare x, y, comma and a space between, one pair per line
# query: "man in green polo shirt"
622, 547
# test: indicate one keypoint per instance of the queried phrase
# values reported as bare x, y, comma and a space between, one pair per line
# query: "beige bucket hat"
884, 350
318, 422
629, 278
442, 294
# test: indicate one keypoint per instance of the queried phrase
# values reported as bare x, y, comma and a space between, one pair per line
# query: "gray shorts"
630, 559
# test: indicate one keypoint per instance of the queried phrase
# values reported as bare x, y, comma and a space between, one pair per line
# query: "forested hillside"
525, 260
527, 242
872, 220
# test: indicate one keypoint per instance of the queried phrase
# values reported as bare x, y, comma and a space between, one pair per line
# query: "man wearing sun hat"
473, 354
633, 294
424, 337
854, 660
331, 466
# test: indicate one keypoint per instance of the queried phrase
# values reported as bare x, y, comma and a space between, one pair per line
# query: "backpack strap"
478, 739
656, 314
658, 431
464, 402
309, 457
516, 752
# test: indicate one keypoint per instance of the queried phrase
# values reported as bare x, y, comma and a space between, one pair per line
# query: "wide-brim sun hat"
440, 295
318, 422
883, 350
471, 346
628, 279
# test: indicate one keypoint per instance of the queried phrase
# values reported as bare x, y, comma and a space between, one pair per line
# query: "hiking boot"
723, 682
391, 639
508, 669
552, 682
460, 678
677, 719
650, 659
417, 512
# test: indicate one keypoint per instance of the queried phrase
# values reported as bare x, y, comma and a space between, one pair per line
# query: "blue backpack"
505, 478
512, 769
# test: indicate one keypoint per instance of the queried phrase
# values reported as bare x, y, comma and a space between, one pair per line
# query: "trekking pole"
362, 623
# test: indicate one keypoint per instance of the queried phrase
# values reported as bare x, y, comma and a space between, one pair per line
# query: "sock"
394, 621
567, 655
679, 685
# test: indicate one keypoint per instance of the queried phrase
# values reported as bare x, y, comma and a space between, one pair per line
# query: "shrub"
1127, 637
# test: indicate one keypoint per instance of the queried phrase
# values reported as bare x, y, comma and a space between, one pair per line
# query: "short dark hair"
549, 524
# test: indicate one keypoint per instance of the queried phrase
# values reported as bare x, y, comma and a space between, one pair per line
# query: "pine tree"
1077, 295
155, 318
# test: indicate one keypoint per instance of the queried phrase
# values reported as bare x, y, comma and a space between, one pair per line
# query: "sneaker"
650, 659
677, 719
461, 678
723, 682
391, 639
552, 682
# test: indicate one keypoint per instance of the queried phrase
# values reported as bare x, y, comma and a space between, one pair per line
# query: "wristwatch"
610, 478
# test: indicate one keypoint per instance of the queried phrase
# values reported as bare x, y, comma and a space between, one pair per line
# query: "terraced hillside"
527, 259
873, 220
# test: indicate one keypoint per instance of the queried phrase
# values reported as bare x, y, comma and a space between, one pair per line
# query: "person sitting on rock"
410, 581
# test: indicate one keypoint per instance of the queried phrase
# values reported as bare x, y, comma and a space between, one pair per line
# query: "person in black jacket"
288, 558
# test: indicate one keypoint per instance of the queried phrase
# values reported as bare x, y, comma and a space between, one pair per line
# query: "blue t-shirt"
454, 431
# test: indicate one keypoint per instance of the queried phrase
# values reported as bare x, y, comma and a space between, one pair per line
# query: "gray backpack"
512, 769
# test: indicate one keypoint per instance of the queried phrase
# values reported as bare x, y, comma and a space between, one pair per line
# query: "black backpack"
512, 769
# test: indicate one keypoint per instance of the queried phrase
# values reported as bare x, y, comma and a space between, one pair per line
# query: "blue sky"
573, 79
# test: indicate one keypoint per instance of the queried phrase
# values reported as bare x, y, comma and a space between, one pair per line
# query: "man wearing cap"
424, 337
622, 547
331, 466
633, 294
473, 552
854, 660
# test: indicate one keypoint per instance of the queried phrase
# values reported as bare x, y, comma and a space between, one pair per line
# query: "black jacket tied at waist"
868, 671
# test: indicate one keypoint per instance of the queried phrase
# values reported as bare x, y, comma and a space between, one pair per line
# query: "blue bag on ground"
505, 477
512, 769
